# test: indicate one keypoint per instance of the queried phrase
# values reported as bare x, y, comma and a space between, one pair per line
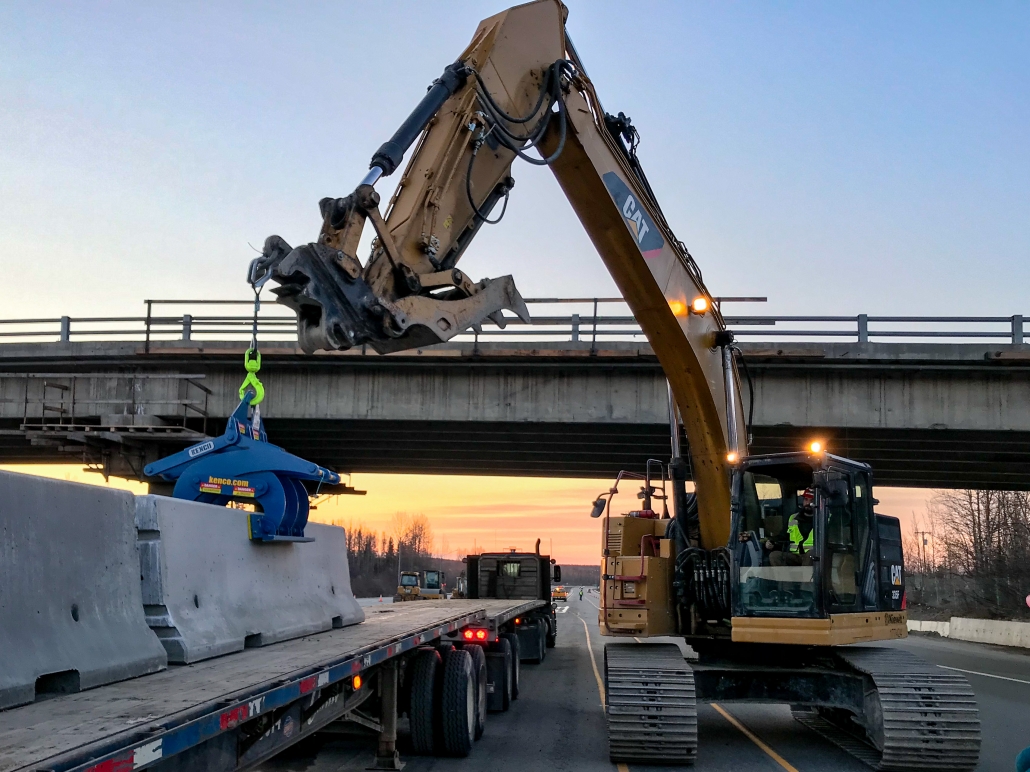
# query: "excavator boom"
518, 86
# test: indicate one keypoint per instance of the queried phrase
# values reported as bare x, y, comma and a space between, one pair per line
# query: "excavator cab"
807, 543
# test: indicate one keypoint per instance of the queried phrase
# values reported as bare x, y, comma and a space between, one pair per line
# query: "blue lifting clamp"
242, 465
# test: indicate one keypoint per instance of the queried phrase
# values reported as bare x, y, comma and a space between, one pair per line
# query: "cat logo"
640, 224
896, 576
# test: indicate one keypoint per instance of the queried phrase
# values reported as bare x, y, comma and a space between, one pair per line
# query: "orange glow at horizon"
470, 513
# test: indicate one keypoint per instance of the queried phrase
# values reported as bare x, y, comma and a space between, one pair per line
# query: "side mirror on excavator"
599, 505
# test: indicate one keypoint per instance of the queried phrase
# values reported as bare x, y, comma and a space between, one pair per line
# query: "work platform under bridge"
927, 402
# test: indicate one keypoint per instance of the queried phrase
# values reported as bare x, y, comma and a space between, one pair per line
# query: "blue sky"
838, 157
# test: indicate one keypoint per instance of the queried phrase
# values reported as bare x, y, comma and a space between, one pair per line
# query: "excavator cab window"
773, 578
798, 564
838, 502
408, 580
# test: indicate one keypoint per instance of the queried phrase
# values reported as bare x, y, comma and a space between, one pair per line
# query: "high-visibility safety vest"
796, 537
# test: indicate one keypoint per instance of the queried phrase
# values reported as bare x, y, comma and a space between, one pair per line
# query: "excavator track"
918, 717
650, 704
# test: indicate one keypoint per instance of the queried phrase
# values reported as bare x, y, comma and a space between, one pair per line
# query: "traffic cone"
380, 598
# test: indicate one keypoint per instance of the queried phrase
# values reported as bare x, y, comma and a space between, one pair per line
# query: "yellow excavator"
774, 566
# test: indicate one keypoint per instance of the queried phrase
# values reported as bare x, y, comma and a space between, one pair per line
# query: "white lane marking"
985, 675
561, 610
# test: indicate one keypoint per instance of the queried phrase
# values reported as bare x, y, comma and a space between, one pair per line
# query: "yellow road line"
754, 738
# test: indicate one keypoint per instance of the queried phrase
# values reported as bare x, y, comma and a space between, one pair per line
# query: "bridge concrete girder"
948, 415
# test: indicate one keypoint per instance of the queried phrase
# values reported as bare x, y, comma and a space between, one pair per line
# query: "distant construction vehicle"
428, 585
560, 593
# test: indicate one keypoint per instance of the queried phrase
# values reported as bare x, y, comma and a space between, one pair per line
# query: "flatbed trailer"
236, 711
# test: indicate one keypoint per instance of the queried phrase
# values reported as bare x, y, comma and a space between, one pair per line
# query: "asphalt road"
558, 722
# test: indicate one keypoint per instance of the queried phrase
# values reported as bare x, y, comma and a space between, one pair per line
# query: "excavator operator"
801, 533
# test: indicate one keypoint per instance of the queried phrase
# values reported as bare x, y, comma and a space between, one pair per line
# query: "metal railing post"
146, 344
66, 329
593, 339
575, 327
863, 328
1017, 329
187, 326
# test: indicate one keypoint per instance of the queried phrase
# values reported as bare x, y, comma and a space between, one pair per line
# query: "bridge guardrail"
562, 319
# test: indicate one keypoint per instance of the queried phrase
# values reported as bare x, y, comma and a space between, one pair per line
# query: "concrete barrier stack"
208, 590
71, 609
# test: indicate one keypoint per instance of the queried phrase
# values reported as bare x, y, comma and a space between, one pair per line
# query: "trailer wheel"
458, 703
425, 677
479, 668
542, 626
552, 632
516, 662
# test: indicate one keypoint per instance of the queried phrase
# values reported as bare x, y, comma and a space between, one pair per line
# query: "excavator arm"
518, 86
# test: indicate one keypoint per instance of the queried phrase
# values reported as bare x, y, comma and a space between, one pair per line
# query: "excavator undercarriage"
886, 707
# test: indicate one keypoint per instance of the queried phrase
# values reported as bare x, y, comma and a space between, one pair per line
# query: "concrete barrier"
990, 631
208, 590
999, 633
71, 614
941, 628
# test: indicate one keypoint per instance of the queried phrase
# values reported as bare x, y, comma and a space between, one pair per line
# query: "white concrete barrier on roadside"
941, 628
71, 613
997, 632
208, 590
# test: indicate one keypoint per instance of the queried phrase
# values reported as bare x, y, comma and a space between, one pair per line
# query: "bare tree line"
373, 557
970, 554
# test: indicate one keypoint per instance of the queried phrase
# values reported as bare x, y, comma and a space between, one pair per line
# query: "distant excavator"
774, 562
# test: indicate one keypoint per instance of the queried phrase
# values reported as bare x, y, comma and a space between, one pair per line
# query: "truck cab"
518, 575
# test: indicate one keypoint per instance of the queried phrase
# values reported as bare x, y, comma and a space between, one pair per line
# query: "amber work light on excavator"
772, 564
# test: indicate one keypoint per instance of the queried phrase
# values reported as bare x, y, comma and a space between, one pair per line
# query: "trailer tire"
423, 715
516, 662
542, 626
552, 632
479, 668
458, 703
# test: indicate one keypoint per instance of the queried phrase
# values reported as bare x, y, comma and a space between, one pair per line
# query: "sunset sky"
486, 512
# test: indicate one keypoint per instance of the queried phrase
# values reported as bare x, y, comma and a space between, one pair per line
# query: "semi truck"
517, 575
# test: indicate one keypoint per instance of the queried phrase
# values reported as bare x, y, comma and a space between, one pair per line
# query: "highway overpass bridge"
927, 404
